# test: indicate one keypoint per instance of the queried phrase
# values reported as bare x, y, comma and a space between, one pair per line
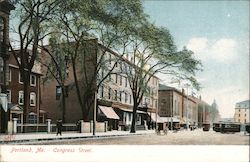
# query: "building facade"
177, 106
242, 112
114, 97
5, 8
15, 93
117, 91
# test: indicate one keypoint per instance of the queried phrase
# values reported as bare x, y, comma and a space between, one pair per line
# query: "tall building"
5, 8
116, 91
242, 112
114, 97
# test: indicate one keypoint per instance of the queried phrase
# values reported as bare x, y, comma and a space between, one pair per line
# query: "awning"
109, 112
159, 119
3, 101
169, 119
130, 110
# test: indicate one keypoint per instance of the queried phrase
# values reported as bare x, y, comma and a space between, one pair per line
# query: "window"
9, 96
32, 80
245, 121
130, 99
2, 29
110, 59
110, 93
32, 99
239, 110
120, 96
116, 78
20, 78
120, 80
115, 95
32, 118
239, 115
9, 77
1, 70
238, 120
126, 81
126, 97
20, 98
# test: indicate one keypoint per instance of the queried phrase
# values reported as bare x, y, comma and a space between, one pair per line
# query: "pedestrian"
59, 127
78, 126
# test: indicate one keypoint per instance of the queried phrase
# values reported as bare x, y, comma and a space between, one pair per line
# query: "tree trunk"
63, 103
26, 82
133, 125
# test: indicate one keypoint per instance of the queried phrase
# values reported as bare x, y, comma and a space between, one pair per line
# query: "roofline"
17, 67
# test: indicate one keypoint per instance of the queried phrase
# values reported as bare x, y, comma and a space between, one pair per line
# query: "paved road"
196, 137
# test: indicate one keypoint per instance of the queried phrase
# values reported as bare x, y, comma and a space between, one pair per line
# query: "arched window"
20, 98
32, 99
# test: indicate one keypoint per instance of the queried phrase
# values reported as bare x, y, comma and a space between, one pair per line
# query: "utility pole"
94, 115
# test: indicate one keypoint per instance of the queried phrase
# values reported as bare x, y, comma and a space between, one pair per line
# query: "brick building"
15, 93
5, 8
114, 96
177, 106
116, 91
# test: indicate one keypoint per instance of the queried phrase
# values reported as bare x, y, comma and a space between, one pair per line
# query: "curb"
70, 138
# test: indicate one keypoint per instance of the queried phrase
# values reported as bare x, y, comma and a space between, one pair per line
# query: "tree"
57, 68
81, 25
153, 51
33, 16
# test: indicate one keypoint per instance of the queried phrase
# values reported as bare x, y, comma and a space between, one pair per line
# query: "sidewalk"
35, 137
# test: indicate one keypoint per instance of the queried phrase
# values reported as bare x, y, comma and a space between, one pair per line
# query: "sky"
218, 34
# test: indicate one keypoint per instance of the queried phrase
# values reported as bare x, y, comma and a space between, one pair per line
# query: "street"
196, 137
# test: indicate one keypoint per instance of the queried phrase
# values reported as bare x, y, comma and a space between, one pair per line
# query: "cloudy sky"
218, 33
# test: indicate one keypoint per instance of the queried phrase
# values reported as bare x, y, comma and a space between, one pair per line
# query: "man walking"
59, 127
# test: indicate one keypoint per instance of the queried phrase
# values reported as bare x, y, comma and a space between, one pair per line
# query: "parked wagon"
206, 127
